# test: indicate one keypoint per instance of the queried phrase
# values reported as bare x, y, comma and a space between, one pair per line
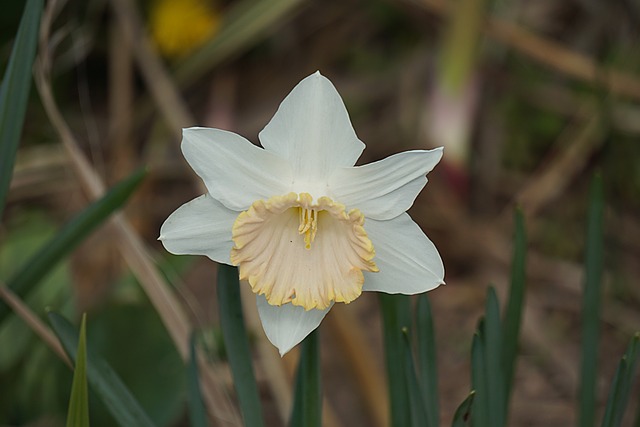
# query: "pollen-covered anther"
292, 249
308, 225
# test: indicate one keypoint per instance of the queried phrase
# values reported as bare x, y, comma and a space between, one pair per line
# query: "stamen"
268, 249
308, 225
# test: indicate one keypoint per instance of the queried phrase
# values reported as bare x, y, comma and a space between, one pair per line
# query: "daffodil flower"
305, 227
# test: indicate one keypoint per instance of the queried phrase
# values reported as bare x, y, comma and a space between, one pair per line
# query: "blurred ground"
528, 98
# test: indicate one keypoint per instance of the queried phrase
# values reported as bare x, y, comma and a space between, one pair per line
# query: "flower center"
291, 249
308, 225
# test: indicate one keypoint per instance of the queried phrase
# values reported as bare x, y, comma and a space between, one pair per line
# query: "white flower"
305, 227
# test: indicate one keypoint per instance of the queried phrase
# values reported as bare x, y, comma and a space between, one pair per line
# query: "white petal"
387, 188
312, 130
200, 227
235, 171
287, 325
409, 263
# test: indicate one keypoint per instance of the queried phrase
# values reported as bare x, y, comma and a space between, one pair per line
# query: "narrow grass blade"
394, 310
493, 360
513, 312
427, 359
480, 414
307, 404
78, 413
103, 379
14, 92
591, 305
416, 400
462, 416
197, 412
60, 245
244, 25
621, 387
237, 345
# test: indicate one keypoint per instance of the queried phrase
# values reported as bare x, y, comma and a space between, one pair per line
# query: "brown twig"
132, 247
346, 328
577, 144
550, 53
34, 322
167, 97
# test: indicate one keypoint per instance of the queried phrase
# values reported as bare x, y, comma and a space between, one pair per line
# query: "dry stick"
34, 322
561, 100
120, 101
347, 329
159, 82
140, 262
579, 142
169, 309
551, 53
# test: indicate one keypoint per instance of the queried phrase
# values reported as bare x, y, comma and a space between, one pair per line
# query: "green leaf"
245, 24
427, 359
14, 92
40, 264
621, 387
78, 414
307, 403
395, 316
237, 345
591, 305
23, 236
416, 400
513, 313
462, 416
104, 381
480, 412
493, 360
197, 412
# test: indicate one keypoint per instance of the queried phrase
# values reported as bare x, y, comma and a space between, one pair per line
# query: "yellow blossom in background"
179, 27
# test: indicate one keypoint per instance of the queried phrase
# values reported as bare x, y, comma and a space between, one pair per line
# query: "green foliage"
591, 306
416, 400
78, 414
33, 381
24, 237
151, 369
513, 312
197, 412
621, 386
395, 310
103, 379
307, 403
36, 267
427, 359
480, 413
493, 366
462, 416
237, 345
14, 92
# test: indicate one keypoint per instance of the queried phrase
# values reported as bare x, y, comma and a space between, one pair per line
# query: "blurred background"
529, 99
